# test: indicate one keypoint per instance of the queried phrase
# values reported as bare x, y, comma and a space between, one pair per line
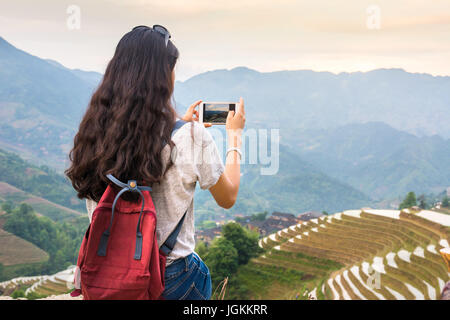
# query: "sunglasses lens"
162, 30
137, 27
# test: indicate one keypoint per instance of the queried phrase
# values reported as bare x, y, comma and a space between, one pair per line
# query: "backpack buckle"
132, 184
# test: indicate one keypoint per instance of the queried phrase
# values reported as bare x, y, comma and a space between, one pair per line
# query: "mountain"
384, 132
297, 187
41, 104
304, 99
379, 160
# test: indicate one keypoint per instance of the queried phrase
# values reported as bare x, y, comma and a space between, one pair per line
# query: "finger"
196, 103
193, 106
241, 106
230, 115
207, 125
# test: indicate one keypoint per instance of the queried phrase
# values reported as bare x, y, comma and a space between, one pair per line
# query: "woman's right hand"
236, 120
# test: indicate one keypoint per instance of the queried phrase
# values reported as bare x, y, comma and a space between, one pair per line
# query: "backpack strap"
133, 187
171, 240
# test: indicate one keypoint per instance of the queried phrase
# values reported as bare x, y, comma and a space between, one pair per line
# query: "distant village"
274, 222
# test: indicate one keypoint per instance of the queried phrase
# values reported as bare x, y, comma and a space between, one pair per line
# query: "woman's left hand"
192, 114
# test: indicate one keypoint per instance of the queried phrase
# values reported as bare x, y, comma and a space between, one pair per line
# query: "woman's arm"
226, 189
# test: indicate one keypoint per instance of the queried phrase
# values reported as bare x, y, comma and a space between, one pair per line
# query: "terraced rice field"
15, 250
379, 254
40, 286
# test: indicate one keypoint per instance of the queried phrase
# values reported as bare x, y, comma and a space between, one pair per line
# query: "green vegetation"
235, 247
222, 259
60, 240
446, 202
261, 216
18, 293
409, 201
207, 224
39, 181
243, 240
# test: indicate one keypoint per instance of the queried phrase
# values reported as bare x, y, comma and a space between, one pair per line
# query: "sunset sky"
333, 35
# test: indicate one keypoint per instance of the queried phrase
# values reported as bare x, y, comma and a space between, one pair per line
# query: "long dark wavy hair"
128, 119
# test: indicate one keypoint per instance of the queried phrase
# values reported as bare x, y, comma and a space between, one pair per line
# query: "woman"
126, 132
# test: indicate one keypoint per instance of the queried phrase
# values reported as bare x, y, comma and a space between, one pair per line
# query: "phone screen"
217, 112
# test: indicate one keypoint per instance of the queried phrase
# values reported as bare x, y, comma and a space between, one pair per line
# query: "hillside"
41, 104
42, 206
41, 182
15, 250
297, 187
378, 159
356, 254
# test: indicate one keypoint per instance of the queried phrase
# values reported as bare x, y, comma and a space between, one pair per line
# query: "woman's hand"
236, 120
192, 114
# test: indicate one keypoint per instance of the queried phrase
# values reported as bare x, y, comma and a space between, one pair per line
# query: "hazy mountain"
321, 116
41, 103
378, 159
297, 100
297, 187
325, 118
91, 77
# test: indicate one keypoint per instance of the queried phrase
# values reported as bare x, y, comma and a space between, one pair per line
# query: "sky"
321, 35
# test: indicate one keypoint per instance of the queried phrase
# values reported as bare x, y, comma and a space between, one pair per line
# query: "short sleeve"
209, 164
90, 206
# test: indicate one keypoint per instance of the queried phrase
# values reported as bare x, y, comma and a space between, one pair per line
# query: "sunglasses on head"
160, 29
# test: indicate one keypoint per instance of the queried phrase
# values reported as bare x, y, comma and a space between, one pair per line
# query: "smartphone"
215, 112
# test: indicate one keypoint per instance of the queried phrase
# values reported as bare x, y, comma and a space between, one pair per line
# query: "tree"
7, 207
18, 293
422, 201
259, 216
221, 259
445, 202
245, 241
202, 249
409, 201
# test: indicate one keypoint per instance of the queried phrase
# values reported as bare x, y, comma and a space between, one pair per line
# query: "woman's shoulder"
194, 131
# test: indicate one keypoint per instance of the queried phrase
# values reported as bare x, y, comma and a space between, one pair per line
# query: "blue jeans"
187, 279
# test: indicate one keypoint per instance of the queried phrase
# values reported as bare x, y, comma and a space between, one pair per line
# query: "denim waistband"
183, 262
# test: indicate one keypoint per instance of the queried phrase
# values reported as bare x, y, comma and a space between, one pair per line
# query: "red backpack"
119, 257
